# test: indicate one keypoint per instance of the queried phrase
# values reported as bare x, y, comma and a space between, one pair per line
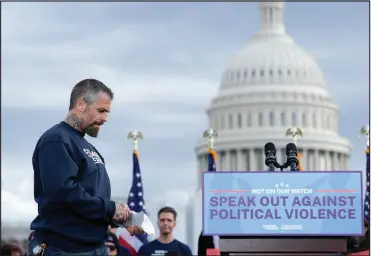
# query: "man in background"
165, 244
113, 246
71, 184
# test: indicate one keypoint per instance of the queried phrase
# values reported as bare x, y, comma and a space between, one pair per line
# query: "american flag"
367, 196
135, 203
211, 161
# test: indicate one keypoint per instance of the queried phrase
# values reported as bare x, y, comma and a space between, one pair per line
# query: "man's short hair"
167, 209
88, 89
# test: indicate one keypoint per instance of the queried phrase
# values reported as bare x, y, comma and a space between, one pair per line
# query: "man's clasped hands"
122, 214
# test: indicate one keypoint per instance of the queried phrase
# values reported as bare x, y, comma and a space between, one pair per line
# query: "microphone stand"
271, 168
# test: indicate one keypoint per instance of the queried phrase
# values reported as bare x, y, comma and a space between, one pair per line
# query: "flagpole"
211, 134
295, 133
135, 135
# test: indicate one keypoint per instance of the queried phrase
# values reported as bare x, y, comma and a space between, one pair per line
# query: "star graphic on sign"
276, 185
287, 185
281, 184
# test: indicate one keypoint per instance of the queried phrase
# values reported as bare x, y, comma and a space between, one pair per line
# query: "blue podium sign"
283, 203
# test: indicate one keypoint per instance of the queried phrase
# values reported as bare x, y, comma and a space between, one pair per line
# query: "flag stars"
137, 174
132, 204
131, 194
140, 194
141, 203
139, 184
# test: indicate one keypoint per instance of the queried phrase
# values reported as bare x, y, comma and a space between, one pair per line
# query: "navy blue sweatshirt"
72, 190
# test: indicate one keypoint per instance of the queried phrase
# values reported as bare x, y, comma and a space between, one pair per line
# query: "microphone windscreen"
269, 147
290, 147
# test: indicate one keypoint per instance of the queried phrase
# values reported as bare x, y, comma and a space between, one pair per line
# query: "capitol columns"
328, 160
240, 160
227, 164
316, 160
334, 166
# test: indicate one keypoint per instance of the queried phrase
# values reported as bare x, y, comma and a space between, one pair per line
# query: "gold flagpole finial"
211, 134
135, 135
365, 131
294, 133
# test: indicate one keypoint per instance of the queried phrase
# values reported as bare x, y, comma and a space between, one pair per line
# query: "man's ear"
81, 105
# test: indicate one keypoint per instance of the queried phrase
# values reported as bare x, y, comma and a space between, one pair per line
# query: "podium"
282, 246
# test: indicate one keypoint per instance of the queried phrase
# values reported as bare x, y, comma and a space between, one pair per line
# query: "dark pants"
52, 251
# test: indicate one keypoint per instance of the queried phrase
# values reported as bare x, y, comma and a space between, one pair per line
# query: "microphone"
270, 156
292, 157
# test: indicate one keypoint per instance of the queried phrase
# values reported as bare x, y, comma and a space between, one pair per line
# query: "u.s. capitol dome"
270, 85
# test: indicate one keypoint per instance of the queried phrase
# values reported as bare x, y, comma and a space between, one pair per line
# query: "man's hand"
122, 213
134, 230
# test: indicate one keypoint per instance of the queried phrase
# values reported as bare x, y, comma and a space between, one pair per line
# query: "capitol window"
293, 117
238, 75
288, 73
253, 73
245, 74
230, 121
261, 72
280, 72
271, 72
260, 119
271, 118
239, 121
283, 119
304, 119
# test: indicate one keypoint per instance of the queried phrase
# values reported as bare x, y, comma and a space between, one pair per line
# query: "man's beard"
92, 131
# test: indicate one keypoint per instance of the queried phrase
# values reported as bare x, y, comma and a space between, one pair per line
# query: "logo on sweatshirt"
93, 155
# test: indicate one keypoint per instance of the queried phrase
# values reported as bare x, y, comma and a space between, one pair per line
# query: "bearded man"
71, 185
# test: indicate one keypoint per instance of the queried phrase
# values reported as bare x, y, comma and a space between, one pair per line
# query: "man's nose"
104, 117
